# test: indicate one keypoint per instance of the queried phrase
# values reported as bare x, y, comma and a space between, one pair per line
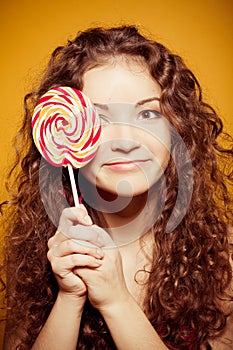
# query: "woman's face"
135, 143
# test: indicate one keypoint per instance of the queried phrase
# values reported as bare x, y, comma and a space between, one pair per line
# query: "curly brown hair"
190, 274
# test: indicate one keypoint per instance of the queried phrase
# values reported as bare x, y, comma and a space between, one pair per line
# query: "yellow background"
201, 31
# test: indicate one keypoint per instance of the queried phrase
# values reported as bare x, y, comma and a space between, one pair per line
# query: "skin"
84, 257
142, 137
134, 149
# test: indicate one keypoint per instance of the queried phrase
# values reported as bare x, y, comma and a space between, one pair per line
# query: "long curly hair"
190, 275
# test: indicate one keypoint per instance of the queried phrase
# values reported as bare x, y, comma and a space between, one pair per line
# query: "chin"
125, 189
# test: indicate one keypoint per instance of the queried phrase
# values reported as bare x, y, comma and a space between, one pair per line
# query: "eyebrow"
139, 103
142, 102
102, 106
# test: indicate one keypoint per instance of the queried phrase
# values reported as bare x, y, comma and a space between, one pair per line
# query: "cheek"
92, 171
164, 158
159, 144
89, 171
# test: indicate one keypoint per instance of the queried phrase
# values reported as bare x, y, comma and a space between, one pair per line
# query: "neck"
133, 221
126, 219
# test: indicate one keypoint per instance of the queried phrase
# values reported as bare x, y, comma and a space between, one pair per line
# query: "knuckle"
90, 259
50, 242
89, 250
57, 234
54, 265
74, 259
93, 251
49, 255
68, 244
66, 212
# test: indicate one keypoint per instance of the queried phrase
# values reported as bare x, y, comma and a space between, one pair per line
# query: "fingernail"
99, 253
97, 262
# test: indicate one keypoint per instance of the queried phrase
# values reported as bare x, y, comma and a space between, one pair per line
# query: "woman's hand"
105, 284
74, 244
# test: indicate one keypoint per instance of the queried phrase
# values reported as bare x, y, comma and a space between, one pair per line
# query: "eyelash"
104, 120
155, 113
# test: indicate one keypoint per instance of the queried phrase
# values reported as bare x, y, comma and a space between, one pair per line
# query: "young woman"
144, 262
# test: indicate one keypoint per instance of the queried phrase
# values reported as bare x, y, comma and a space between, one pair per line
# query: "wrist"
75, 301
115, 307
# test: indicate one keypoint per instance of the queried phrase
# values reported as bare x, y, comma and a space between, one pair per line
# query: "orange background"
200, 31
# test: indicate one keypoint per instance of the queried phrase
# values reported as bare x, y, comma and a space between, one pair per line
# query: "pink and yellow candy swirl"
66, 128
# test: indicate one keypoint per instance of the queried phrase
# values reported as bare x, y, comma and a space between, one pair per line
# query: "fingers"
88, 234
76, 224
63, 265
70, 246
73, 216
70, 254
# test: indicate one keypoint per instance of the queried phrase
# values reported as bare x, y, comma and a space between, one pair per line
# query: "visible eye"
149, 114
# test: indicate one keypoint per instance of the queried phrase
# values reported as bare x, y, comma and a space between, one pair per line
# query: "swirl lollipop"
66, 129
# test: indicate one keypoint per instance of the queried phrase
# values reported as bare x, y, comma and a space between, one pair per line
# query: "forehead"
120, 81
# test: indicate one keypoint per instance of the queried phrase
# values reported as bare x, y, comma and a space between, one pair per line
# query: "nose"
124, 146
125, 140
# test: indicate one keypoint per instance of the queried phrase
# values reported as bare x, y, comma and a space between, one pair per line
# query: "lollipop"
66, 129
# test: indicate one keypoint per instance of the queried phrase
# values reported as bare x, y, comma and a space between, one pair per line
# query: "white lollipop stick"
73, 186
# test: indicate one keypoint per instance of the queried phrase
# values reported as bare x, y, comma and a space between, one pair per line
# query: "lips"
125, 165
